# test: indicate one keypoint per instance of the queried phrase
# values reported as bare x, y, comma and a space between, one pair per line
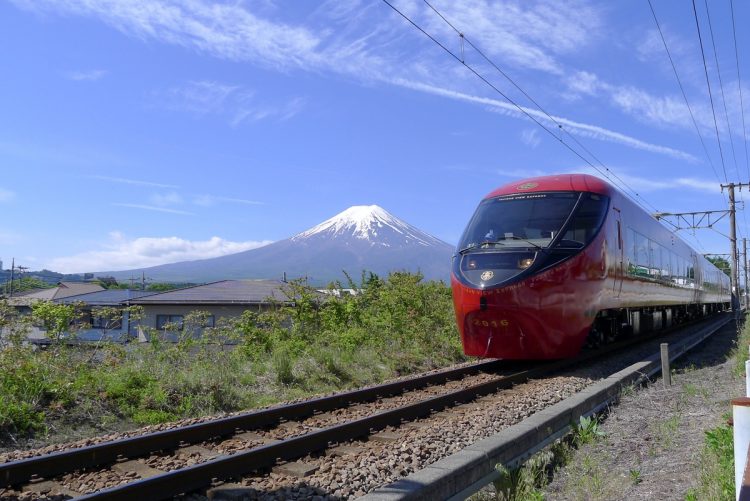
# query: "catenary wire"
721, 87
710, 95
684, 95
550, 117
739, 88
507, 98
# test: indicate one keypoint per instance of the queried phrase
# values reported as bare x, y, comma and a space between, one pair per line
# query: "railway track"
256, 441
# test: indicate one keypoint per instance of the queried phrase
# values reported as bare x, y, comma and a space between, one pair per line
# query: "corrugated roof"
106, 297
222, 292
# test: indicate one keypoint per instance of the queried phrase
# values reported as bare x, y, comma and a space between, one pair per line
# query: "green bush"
308, 344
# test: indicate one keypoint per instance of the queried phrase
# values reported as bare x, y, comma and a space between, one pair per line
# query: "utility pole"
744, 262
733, 239
143, 280
12, 272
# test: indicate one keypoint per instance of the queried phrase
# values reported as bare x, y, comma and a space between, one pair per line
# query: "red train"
549, 264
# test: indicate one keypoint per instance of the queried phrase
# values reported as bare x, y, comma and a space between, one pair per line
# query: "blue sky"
138, 132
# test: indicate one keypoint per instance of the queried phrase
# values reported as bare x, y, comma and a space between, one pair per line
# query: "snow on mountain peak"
365, 222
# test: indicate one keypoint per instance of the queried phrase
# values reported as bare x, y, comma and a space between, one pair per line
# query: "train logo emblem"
527, 186
487, 275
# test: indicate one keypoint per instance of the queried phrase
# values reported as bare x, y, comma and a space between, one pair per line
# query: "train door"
696, 280
618, 253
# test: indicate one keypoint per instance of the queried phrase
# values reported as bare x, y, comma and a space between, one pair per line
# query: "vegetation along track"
239, 451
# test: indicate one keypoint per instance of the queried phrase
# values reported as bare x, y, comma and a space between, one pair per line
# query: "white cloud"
530, 137
583, 82
135, 182
6, 195
582, 129
87, 75
228, 31
154, 208
660, 110
121, 253
638, 183
199, 96
281, 112
524, 34
238, 103
527, 35
699, 184
165, 199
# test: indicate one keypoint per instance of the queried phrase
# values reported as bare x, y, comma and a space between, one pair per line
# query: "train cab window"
518, 221
586, 221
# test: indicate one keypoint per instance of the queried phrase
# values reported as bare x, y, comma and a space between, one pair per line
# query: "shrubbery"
309, 344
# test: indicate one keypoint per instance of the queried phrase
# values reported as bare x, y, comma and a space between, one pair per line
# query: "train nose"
488, 329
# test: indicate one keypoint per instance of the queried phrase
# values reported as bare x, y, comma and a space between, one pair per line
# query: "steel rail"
201, 475
50, 465
226, 467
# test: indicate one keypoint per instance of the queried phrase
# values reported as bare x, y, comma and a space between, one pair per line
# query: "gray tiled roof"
107, 297
64, 289
223, 292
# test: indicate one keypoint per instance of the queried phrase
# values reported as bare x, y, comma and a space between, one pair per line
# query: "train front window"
518, 221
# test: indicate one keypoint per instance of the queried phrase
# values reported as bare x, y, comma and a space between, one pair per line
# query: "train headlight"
525, 263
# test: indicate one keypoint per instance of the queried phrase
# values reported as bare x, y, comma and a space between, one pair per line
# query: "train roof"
558, 182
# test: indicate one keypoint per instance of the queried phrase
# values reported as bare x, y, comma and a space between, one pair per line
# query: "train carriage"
549, 264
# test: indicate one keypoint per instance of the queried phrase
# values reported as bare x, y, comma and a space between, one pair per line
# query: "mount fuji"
363, 237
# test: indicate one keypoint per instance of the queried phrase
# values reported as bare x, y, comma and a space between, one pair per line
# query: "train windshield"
534, 220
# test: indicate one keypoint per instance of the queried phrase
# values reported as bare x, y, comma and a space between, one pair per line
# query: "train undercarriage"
617, 324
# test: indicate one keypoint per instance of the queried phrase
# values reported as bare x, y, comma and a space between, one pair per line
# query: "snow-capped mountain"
371, 223
363, 237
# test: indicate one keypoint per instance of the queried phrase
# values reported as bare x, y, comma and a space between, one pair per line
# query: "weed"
586, 430
395, 325
635, 476
667, 430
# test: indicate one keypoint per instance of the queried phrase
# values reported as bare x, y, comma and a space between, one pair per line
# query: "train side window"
641, 253
630, 253
653, 257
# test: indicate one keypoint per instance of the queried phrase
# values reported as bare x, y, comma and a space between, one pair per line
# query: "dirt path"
653, 439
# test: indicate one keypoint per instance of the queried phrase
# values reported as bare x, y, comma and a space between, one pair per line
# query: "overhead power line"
721, 87
539, 106
684, 95
606, 173
710, 95
739, 88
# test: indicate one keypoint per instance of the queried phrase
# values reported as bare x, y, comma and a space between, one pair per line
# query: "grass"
527, 481
716, 464
395, 326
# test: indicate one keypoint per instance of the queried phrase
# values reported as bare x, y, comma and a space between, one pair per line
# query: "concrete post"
666, 373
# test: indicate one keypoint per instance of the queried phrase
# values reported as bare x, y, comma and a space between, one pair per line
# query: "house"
63, 290
114, 326
23, 302
166, 311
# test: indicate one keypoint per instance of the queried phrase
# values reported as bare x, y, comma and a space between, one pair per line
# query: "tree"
721, 263
56, 319
24, 284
